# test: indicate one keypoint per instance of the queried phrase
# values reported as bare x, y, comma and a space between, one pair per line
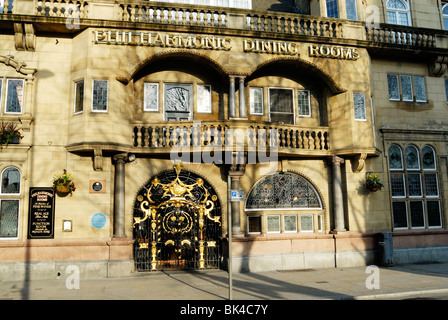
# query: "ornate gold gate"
177, 223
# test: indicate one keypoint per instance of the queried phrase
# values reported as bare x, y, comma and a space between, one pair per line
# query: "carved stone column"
242, 99
236, 171
232, 105
338, 200
119, 193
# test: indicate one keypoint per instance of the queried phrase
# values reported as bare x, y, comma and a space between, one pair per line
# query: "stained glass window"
283, 190
395, 157
273, 224
412, 161
306, 223
428, 159
151, 96
414, 188
14, 95
290, 223
99, 99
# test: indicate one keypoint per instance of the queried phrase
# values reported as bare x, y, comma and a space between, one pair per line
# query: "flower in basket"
9, 133
373, 183
63, 183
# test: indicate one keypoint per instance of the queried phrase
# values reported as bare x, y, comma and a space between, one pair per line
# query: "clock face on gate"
178, 99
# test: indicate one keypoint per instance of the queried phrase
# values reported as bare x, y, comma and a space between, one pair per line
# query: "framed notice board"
41, 213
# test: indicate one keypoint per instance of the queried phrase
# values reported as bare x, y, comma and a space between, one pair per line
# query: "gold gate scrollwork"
178, 196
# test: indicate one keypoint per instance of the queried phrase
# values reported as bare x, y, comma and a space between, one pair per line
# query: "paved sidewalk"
313, 284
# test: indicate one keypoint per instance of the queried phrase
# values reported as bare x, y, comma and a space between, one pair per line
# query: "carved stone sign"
41, 213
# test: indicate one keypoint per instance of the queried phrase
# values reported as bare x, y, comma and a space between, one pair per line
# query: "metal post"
229, 233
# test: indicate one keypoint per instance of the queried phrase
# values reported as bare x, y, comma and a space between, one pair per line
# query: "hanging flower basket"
373, 183
63, 184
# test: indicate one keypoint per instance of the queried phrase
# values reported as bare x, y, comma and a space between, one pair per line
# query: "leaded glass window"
14, 95
281, 105
394, 88
79, 96
306, 223
273, 224
9, 202
151, 97
204, 98
395, 157
283, 191
412, 159
256, 100
414, 188
332, 9
406, 88
290, 223
359, 100
303, 99
99, 97
420, 89
10, 181
352, 13
428, 158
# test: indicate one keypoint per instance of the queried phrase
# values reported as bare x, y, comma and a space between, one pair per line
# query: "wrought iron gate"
177, 223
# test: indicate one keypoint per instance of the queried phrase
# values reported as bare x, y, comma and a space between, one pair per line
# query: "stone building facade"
173, 118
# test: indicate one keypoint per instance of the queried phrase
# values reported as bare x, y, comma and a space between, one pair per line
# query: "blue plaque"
98, 220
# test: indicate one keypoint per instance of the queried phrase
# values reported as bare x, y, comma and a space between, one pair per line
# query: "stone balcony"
230, 135
228, 20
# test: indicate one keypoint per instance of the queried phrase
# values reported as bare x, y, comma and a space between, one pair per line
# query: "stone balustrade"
230, 18
62, 8
229, 134
294, 24
400, 35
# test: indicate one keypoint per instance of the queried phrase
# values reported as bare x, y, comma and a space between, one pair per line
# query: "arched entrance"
177, 223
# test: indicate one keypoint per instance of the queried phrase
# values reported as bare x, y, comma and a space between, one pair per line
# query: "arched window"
398, 12
283, 191
414, 187
445, 16
9, 202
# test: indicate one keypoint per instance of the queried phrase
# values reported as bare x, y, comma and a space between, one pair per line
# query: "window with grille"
303, 100
256, 100
359, 100
10, 190
281, 105
414, 187
99, 97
